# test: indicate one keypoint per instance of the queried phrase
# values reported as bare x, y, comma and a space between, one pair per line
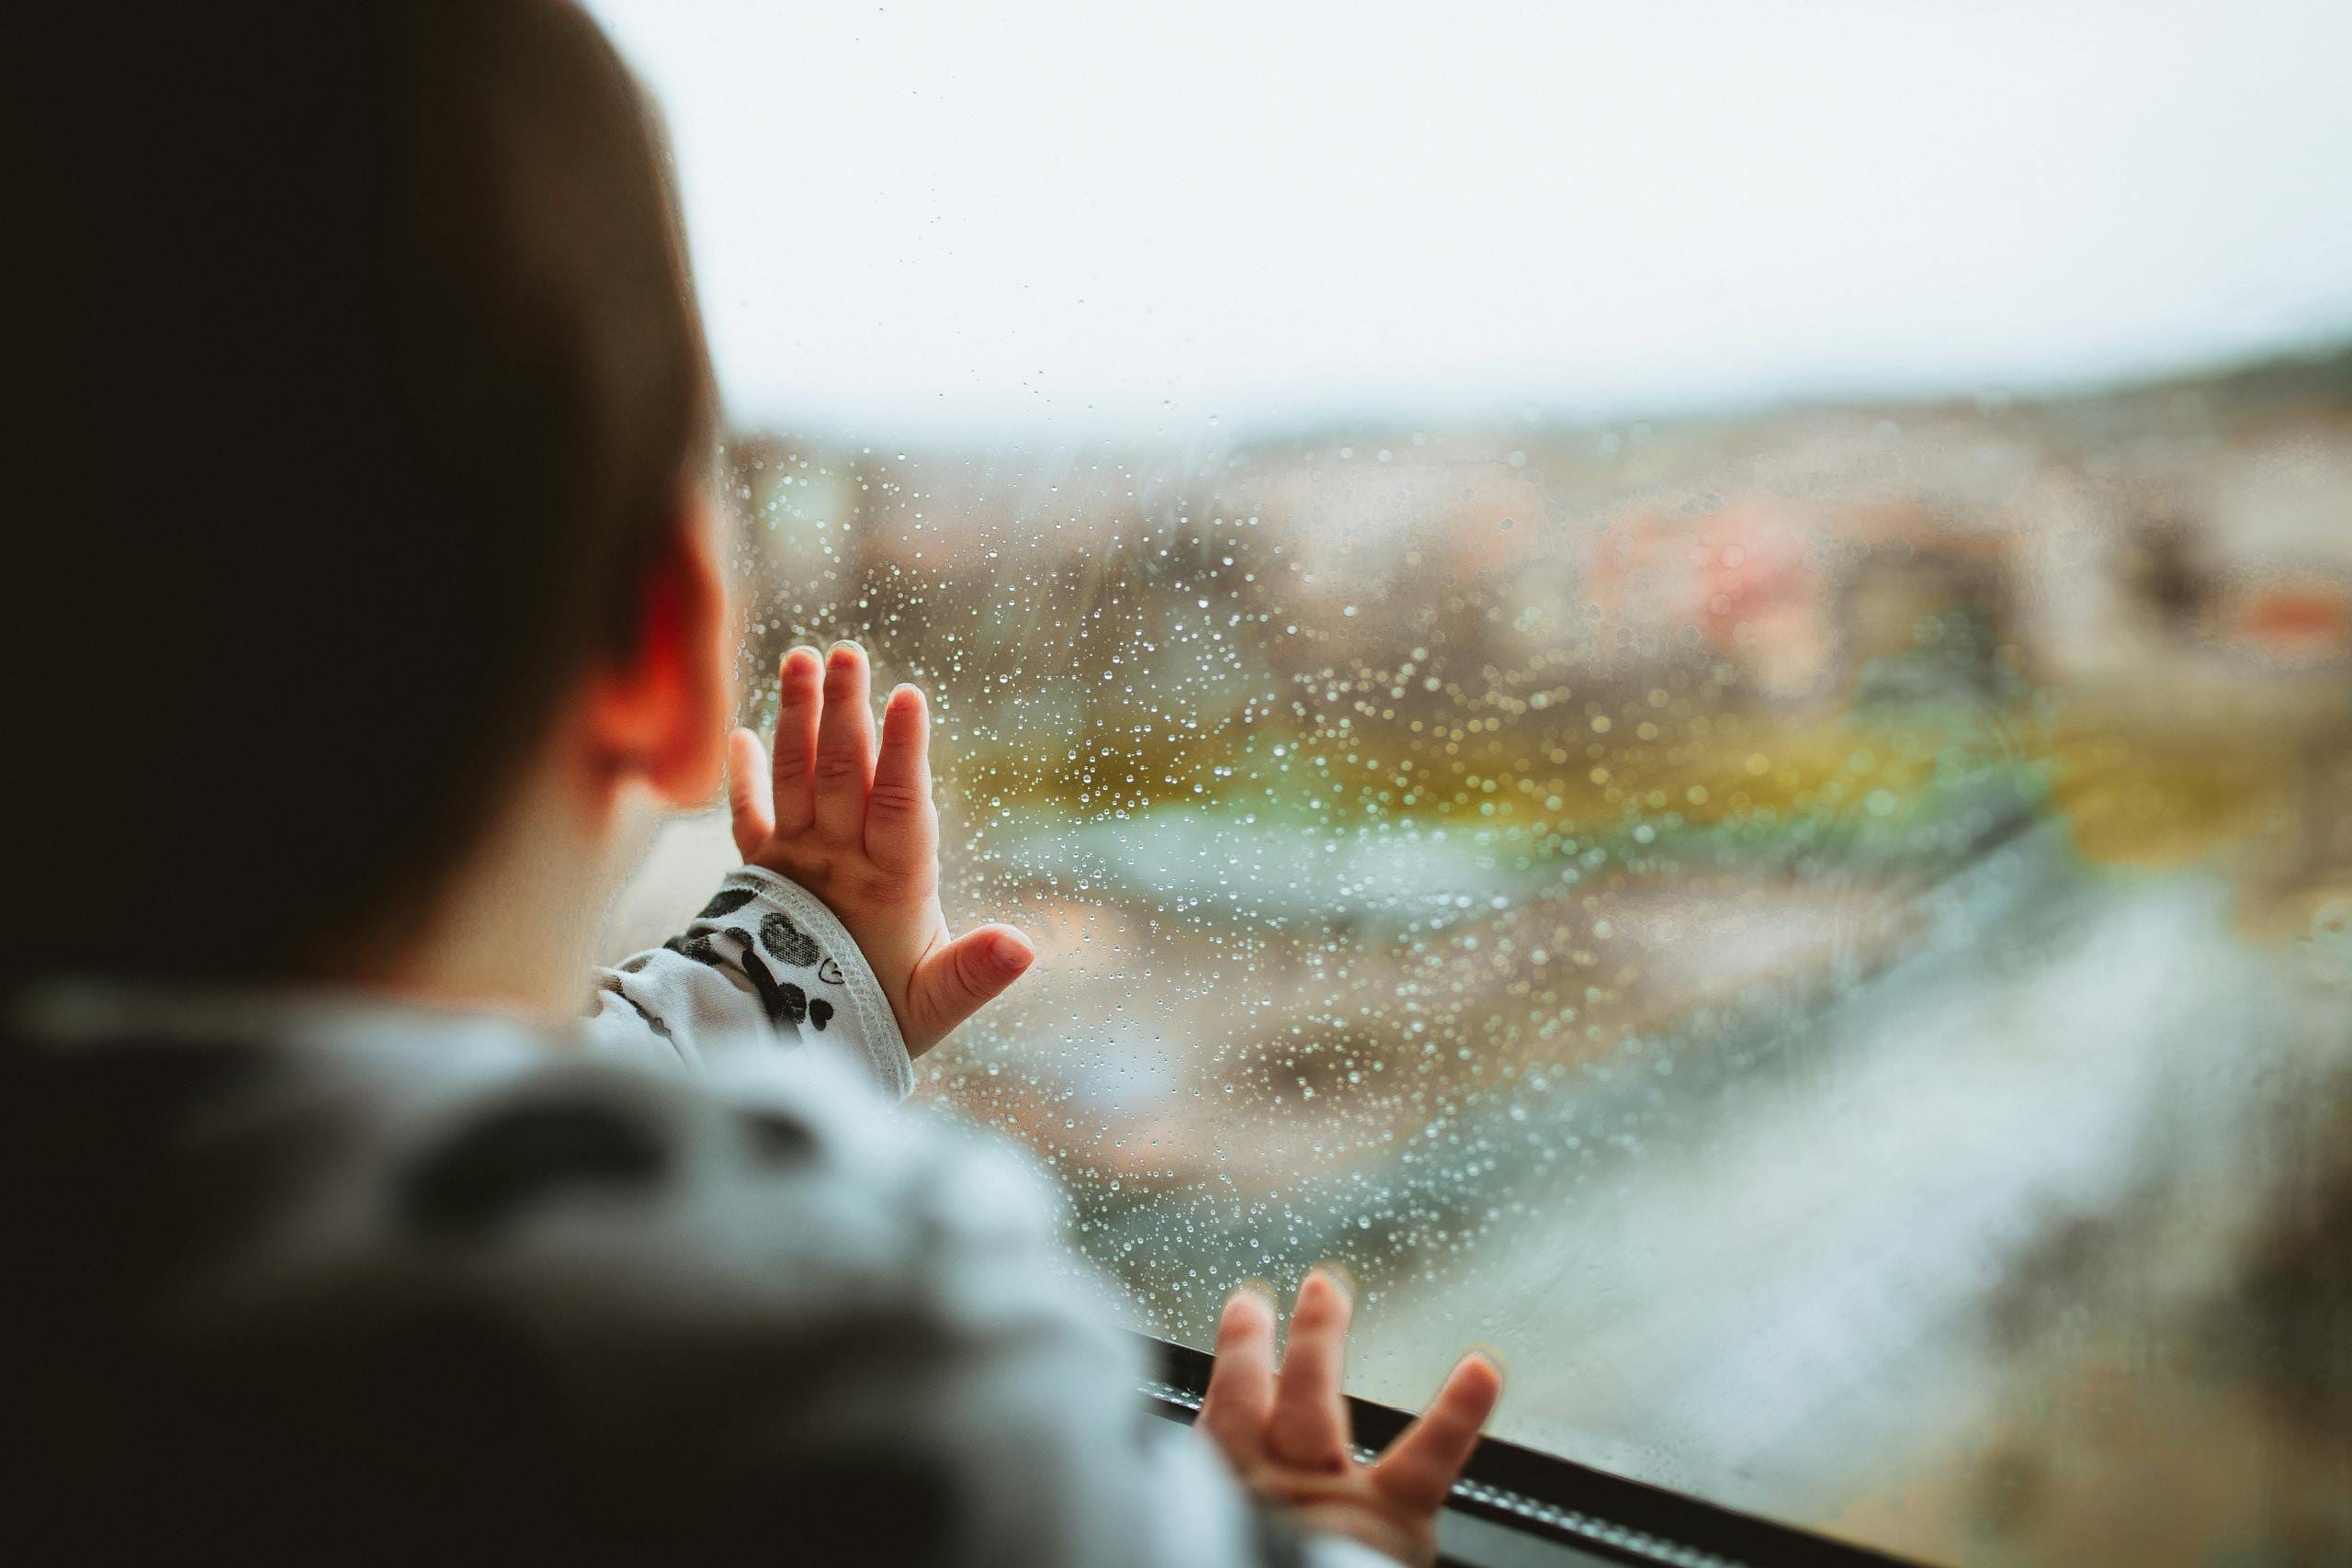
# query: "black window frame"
1590, 1514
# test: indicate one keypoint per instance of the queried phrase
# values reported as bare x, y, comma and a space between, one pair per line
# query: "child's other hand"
858, 830
1286, 1433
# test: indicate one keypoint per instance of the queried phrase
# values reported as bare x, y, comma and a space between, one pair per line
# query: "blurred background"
1677, 679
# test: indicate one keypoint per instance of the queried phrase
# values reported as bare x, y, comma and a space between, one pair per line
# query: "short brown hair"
358, 392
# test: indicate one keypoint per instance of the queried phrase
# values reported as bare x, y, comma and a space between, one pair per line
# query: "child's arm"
831, 932
759, 1313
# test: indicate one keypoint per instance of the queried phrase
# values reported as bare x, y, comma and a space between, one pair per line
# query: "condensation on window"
1823, 938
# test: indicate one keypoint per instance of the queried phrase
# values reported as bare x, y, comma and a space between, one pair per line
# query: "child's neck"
516, 929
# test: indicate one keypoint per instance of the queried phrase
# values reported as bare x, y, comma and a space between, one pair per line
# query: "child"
371, 599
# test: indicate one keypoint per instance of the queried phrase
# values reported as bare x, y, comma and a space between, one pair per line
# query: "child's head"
358, 425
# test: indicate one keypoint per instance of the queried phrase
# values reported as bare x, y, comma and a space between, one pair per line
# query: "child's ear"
659, 714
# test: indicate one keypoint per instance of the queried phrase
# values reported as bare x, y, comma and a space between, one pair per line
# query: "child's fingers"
799, 698
1308, 1427
1423, 1464
1241, 1381
747, 792
955, 981
902, 826
845, 770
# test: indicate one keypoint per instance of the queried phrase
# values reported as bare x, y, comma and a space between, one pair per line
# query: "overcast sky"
1063, 220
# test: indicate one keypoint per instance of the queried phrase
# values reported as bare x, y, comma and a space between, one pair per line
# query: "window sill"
1515, 1507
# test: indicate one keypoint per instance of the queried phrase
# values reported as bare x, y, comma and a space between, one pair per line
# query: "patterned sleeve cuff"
792, 927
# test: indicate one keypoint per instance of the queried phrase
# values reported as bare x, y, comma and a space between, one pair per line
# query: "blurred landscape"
1820, 935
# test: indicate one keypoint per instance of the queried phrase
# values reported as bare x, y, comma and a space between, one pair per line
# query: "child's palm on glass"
856, 827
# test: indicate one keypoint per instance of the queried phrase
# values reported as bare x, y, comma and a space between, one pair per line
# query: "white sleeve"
764, 965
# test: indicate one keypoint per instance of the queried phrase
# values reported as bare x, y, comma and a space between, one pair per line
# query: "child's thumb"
955, 982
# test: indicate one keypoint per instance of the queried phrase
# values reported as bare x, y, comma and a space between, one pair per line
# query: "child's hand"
858, 830
1287, 1434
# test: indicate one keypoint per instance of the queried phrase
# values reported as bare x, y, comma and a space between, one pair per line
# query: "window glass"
1682, 689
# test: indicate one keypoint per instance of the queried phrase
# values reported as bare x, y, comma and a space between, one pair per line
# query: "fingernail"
845, 651
1010, 954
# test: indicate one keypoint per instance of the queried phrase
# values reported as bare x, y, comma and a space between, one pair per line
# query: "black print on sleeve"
785, 1003
726, 901
698, 948
781, 1000
613, 983
786, 942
